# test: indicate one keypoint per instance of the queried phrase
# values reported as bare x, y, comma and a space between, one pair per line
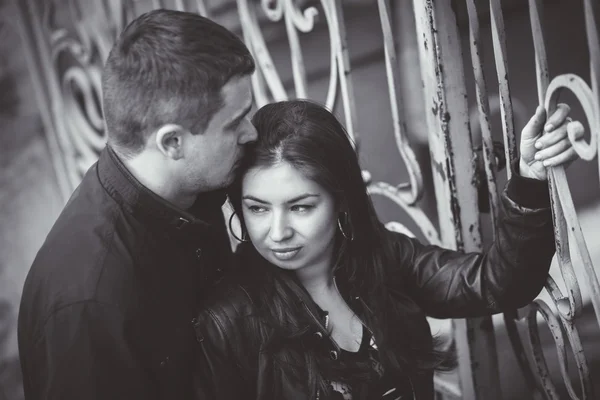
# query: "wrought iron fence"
67, 41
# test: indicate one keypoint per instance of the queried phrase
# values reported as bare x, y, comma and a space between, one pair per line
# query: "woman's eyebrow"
293, 200
302, 197
256, 199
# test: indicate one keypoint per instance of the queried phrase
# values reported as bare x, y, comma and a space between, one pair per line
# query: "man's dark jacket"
108, 305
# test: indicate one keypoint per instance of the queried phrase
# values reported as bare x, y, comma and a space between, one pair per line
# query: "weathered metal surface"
415, 188
65, 64
489, 159
454, 176
267, 83
405, 195
568, 305
506, 109
508, 130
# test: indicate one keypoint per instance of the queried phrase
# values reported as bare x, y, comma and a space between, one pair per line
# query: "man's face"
213, 155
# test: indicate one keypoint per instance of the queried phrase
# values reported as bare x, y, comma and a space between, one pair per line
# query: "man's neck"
154, 178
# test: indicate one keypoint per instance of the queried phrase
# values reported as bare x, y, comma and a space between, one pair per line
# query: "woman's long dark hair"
308, 137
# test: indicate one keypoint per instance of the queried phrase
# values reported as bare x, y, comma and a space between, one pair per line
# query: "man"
108, 305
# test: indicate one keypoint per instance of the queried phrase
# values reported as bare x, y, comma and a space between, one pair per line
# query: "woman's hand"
544, 143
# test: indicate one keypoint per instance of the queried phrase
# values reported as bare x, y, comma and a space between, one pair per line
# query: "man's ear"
169, 140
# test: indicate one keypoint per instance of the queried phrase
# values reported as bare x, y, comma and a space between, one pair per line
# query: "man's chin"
236, 172
216, 186
228, 181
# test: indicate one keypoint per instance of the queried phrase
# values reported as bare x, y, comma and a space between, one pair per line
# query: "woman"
325, 302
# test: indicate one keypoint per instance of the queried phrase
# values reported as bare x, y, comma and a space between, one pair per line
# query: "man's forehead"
236, 95
238, 92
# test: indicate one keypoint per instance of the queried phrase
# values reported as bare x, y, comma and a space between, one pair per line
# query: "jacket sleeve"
219, 374
82, 352
509, 275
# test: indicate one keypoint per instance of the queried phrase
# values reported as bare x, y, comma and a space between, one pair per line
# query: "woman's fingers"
557, 142
553, 150
562, 158
558, 117
551, 138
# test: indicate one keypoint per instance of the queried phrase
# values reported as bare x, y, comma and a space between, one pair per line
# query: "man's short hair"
168, 67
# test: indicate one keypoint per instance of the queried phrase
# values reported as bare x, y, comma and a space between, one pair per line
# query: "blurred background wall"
30, 199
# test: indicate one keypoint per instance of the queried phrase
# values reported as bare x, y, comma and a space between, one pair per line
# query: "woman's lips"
286, 253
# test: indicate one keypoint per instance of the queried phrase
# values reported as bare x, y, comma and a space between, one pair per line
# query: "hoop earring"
244, 238
350, 236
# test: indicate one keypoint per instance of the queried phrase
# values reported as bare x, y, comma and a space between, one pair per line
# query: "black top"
382, 386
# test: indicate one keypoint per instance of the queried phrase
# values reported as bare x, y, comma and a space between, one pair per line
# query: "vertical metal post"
453, 174
409, 70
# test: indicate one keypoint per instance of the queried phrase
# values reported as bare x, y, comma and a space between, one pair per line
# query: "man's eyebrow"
241, 115
294, 200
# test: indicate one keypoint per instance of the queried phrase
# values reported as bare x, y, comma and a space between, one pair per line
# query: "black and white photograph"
299, 199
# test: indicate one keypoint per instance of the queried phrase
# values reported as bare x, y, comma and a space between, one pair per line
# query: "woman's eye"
256, 209
302, 207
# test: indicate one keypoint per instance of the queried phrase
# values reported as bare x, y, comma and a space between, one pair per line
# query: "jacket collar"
145, 204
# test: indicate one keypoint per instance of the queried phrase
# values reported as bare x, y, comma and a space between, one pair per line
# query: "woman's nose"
280, 229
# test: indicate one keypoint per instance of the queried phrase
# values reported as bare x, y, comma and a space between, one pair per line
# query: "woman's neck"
318, 282
343, 324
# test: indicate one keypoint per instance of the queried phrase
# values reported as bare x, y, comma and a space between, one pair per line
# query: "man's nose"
250, 134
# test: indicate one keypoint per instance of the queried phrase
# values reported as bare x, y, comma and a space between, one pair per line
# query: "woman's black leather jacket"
441, 283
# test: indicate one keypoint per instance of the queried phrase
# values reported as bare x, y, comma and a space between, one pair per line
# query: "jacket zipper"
318, 392
412, 388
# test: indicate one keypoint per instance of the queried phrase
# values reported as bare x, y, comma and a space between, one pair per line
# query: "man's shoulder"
100, 277
90, 212
83, 255
82, 237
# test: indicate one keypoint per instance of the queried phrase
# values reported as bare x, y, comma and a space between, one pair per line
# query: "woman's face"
290, 219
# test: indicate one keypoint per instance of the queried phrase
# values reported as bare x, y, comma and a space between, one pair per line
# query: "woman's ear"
342, 207
169, 140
